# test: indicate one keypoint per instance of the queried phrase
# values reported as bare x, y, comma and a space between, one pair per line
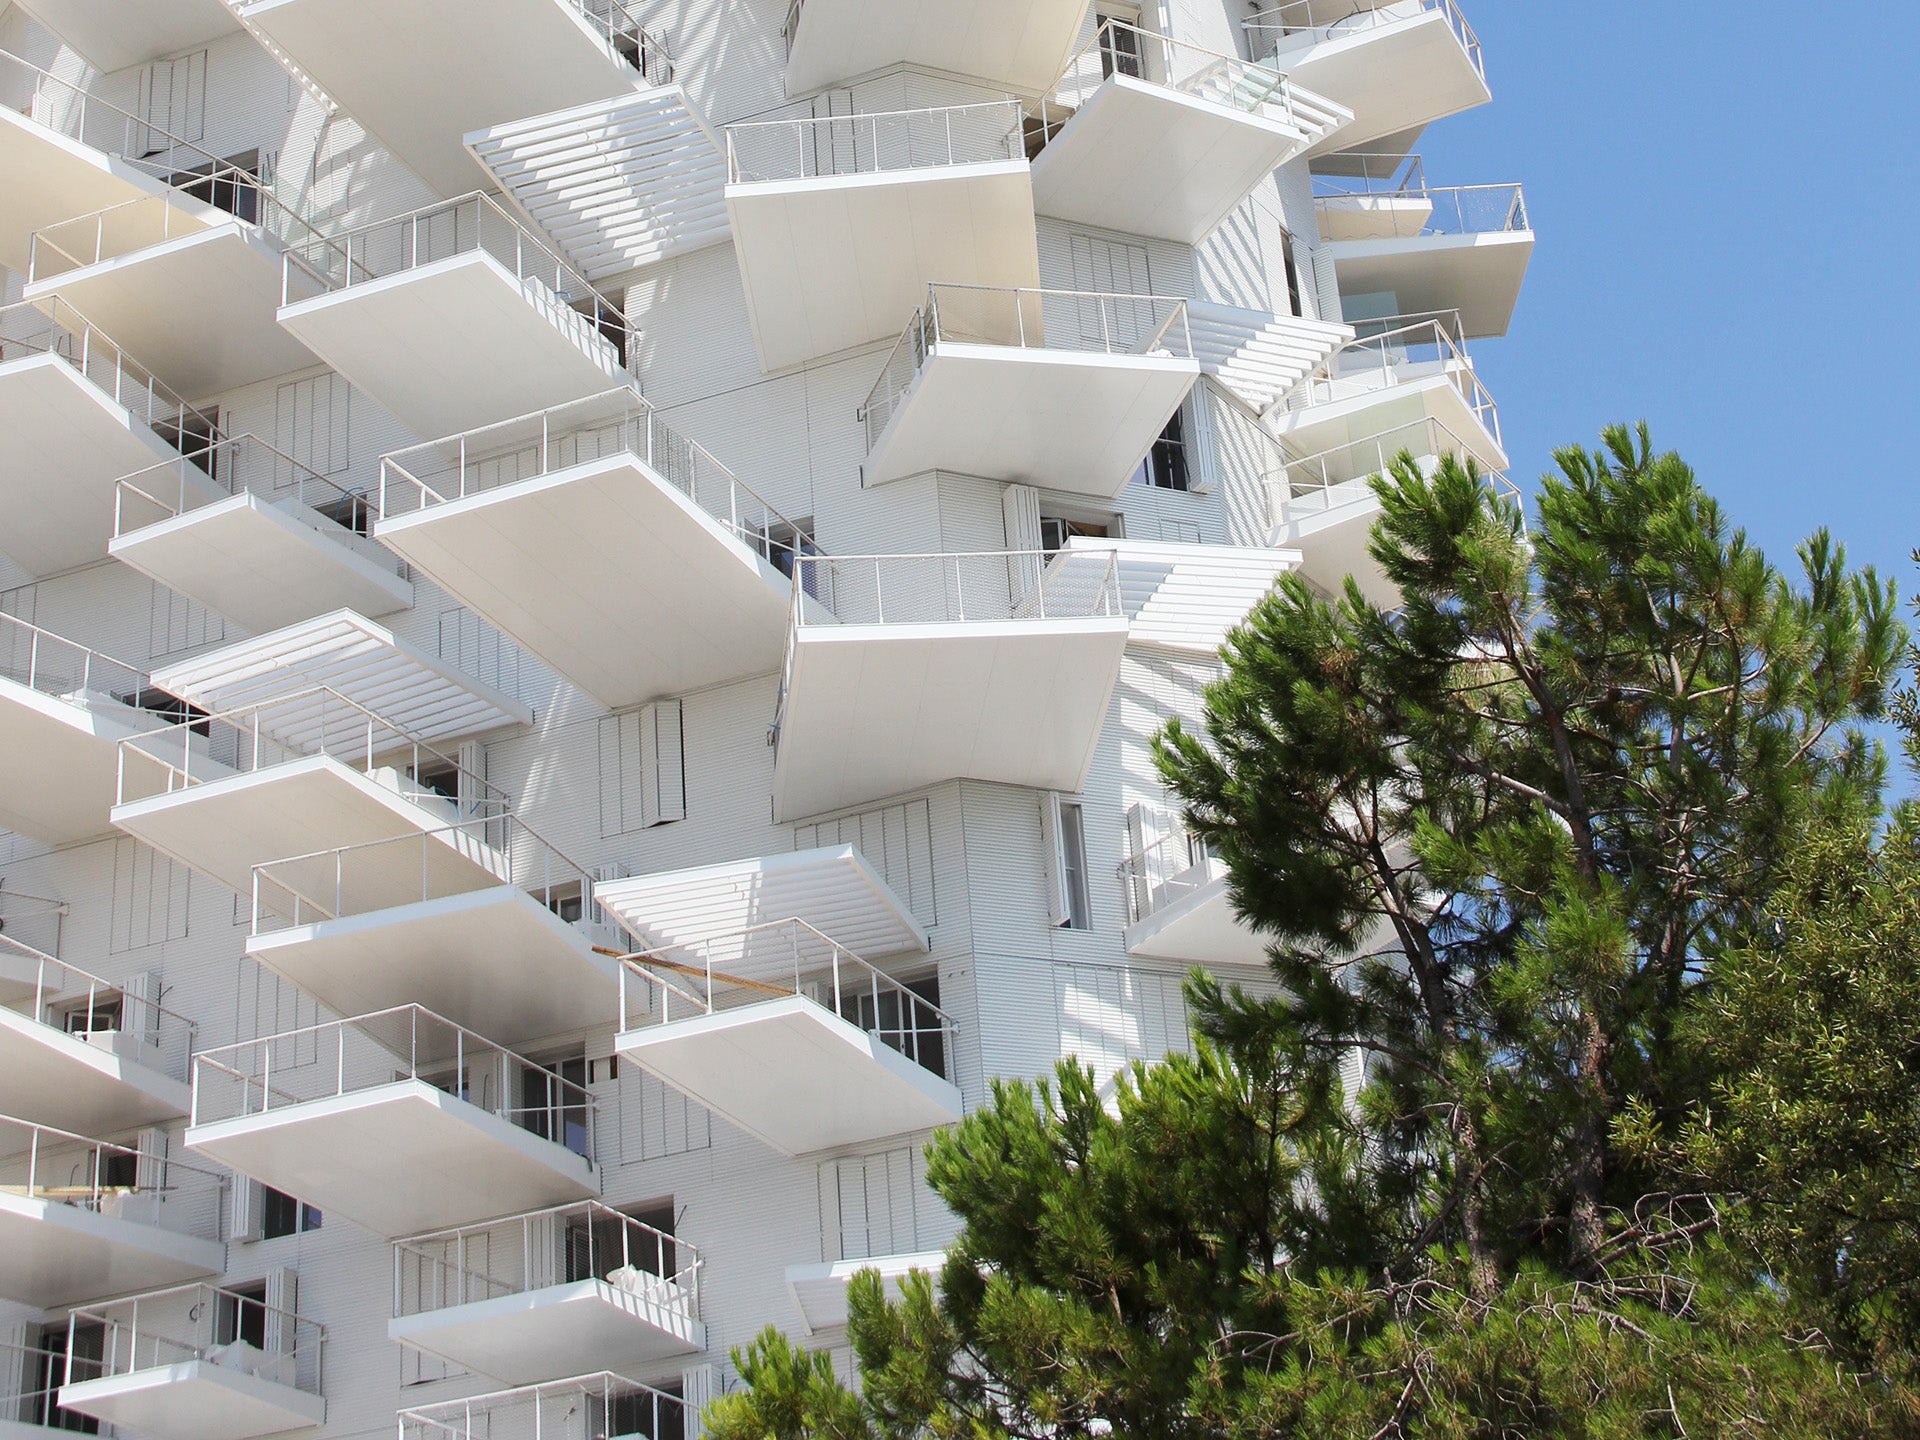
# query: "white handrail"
51, 326
188, 1323
959, 587
44, 1163
63, 990
1315, 477
1497, 209
875, 143
1385, 356
552, 1410
85, 669
1329, 19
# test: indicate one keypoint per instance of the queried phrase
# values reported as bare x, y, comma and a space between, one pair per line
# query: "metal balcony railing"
1302, 22
278, 1074
1400, 198
30, 1395
206, 1323
774, 962
119, 1182
619, 422
80, 1008
1398, 351
587, 1407
525, 1254
881, 143
50, 326
34, 920
613, 21
1063, 320
1314, 482
1165, 862
957, 589
53, 665
469, 225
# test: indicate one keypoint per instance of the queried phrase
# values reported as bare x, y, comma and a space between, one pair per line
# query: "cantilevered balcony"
1149, 136
195, 1362
819, 1290
78, 412
938, 667
579, 1287
400, 1122
419, 76
84, 1053
620, 552
81, 1218
456, 315
1423, 250
789, 1036
587, 1407
840, 224
408, 921
62, 718
1048, 387
254, 535
226, 792
1018, 44
1398, 65
117, 37
1177, 903
1324, 506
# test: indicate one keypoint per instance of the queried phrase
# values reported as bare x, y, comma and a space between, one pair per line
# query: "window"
49, 1373
1293, 274
785, 546
1120, 51
599, 1244
1056, 530
1165, 467
899, 1021
242, 1316
1073, 863
233, 186
440, 778
84, 1018
281, 1215
119, 1170
352, 511
567, 902
173, 710
639, 1416
193, 434
553, 1103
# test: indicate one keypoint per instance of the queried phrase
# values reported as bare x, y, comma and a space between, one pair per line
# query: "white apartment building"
585, 587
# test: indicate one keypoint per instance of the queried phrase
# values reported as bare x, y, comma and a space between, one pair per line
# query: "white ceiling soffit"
834, 889
1260, 357
347, 653
617, 184
1186, 597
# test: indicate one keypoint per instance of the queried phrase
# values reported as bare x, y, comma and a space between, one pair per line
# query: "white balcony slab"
493, 959
264, 565
458, 343
226, 826
1144, 159
196, 1400
1479, 276
68, 442
1397, 77
1065, 419
114, 37
1198, 928
579, 1328
419, 76
835, 263
350, 655
612, 575
54, 1254
835, 889
400, 1159
879, 710
1019, 44
820, 1291
51, 178
59, 761
105, 1083
794, 1074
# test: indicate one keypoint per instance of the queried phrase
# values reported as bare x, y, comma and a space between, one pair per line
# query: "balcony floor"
195, 1400
611, 575
1397, 78
1022, 45
52, 1254
51, 179
793, 1074
1478, 275
117, 37
84, 1086
59, 760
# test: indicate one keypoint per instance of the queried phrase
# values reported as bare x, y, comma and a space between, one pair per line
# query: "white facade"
449, 472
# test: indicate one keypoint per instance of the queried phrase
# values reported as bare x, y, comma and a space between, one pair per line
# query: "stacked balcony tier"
586, 1407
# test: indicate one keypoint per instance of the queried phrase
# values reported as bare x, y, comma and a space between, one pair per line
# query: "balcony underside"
1020, 44
400, 1159
263, 565
879, 710
1199, 928
59, 761
225, 827
114, 37
105, 1084
1478, 275
1146, 160
1332, 529
51, 179
419, 76
1062, 419
200, 310
53, 1254
197, 1400
833, 264
456, 344
1396, 78
820, 1291
494, 960
67, 443
795, 1075
581, 1328
611, 575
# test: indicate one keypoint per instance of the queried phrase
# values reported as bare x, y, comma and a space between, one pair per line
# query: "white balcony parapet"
253, 534
586, 1407
790, 1036
195, 1362
401, 1121
82, 1218
86, 1052
536, 1294
1018, 44
622, 553
1067, 389
455, 315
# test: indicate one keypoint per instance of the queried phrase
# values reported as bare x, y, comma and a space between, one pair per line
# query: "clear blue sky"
1729, 218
